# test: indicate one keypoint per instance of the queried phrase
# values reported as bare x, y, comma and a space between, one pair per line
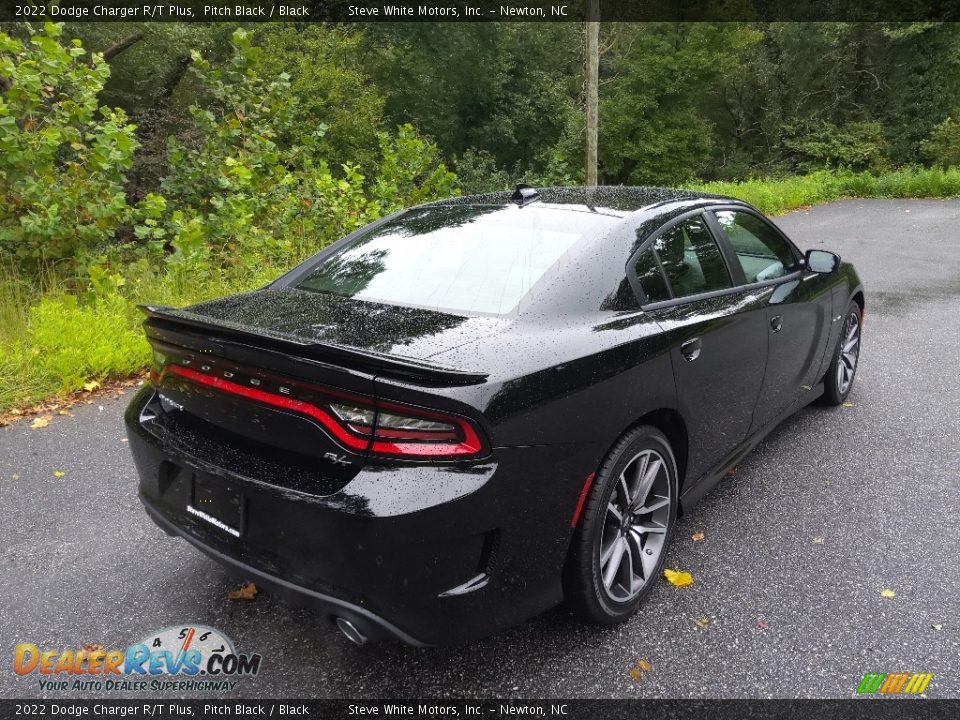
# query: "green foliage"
478, 173
942, 146
858, 146
652, 130
326, 74
506, 88
780, 196
255, 188
62, 158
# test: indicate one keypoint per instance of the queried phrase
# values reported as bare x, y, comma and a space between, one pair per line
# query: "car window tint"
762, 253
651, 279
461, 258
691, 259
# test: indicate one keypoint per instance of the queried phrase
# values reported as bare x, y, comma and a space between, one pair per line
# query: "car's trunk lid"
260, 370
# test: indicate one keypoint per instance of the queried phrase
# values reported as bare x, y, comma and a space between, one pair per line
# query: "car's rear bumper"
372, 626
427, 554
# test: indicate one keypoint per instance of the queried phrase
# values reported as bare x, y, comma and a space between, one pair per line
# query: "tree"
592, 80
63, 157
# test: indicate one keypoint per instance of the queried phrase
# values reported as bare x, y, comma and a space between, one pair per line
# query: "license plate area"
217, 503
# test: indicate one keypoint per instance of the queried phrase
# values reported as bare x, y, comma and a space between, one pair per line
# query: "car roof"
615, 200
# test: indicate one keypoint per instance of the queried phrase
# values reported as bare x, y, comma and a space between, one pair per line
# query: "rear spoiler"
383, 364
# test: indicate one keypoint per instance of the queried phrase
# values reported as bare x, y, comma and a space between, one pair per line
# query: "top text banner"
360, 11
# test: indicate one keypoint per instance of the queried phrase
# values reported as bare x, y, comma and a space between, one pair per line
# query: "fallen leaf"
40, 422
731, 472
703, 622
678, 578
247, 592
697, 536
637, 671
847, 405
58, 473
91, 386
763, 624
818, 541
14, 477
887, 594
937, 627
66, 413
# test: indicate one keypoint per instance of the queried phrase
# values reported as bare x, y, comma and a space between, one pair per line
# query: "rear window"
458, 258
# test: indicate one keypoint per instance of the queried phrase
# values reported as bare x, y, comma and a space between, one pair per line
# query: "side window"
762, 253
651, 279
691, 259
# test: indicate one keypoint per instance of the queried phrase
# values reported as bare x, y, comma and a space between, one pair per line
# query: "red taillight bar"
281, 401
468, 444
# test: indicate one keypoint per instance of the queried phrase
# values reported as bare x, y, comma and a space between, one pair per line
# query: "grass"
53, 341
775, 197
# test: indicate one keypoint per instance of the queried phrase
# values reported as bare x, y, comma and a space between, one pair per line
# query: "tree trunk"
592, 82
111, 52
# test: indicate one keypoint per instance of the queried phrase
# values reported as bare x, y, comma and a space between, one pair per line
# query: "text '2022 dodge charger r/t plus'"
471, 410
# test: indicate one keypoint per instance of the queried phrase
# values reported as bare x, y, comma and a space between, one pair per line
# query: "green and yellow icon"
894, 683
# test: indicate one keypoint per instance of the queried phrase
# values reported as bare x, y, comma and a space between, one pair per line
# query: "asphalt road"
789, 617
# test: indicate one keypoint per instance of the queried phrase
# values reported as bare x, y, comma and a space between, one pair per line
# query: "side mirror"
822, 261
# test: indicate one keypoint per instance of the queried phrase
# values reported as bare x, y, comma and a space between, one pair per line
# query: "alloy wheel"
635, 526
849, 352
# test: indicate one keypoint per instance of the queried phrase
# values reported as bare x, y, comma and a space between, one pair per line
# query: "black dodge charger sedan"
464, 413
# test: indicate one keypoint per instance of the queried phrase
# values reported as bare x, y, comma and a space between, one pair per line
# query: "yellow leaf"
697, 536
65, 413
703, 622
40, 422
887, 594
91, 386
247, 592
818, 541
637, 671
58, 473
847, 405
678, 578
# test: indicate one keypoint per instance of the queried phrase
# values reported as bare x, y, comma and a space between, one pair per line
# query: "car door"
797, 308
716, 333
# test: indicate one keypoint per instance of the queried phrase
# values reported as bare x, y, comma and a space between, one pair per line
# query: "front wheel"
619, 548
843, 367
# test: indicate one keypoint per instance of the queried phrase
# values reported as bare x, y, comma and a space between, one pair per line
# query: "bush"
62, 159
856, 146
942, 146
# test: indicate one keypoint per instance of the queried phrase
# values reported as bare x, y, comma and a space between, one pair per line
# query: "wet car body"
435, 550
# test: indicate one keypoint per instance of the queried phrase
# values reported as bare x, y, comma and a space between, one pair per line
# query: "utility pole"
592, 82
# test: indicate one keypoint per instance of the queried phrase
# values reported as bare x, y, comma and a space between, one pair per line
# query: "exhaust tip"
351, 631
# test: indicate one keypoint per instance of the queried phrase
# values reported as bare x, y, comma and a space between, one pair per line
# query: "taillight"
403, 431
359, 423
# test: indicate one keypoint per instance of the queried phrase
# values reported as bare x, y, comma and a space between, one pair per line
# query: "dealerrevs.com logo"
179, 658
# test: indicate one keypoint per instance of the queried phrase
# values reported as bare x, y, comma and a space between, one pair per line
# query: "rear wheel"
620, 546
843, 367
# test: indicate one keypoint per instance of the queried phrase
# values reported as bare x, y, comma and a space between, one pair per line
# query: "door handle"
776, 323
691, 349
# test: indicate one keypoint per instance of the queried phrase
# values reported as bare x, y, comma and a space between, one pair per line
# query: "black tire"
586, 592
836, 387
